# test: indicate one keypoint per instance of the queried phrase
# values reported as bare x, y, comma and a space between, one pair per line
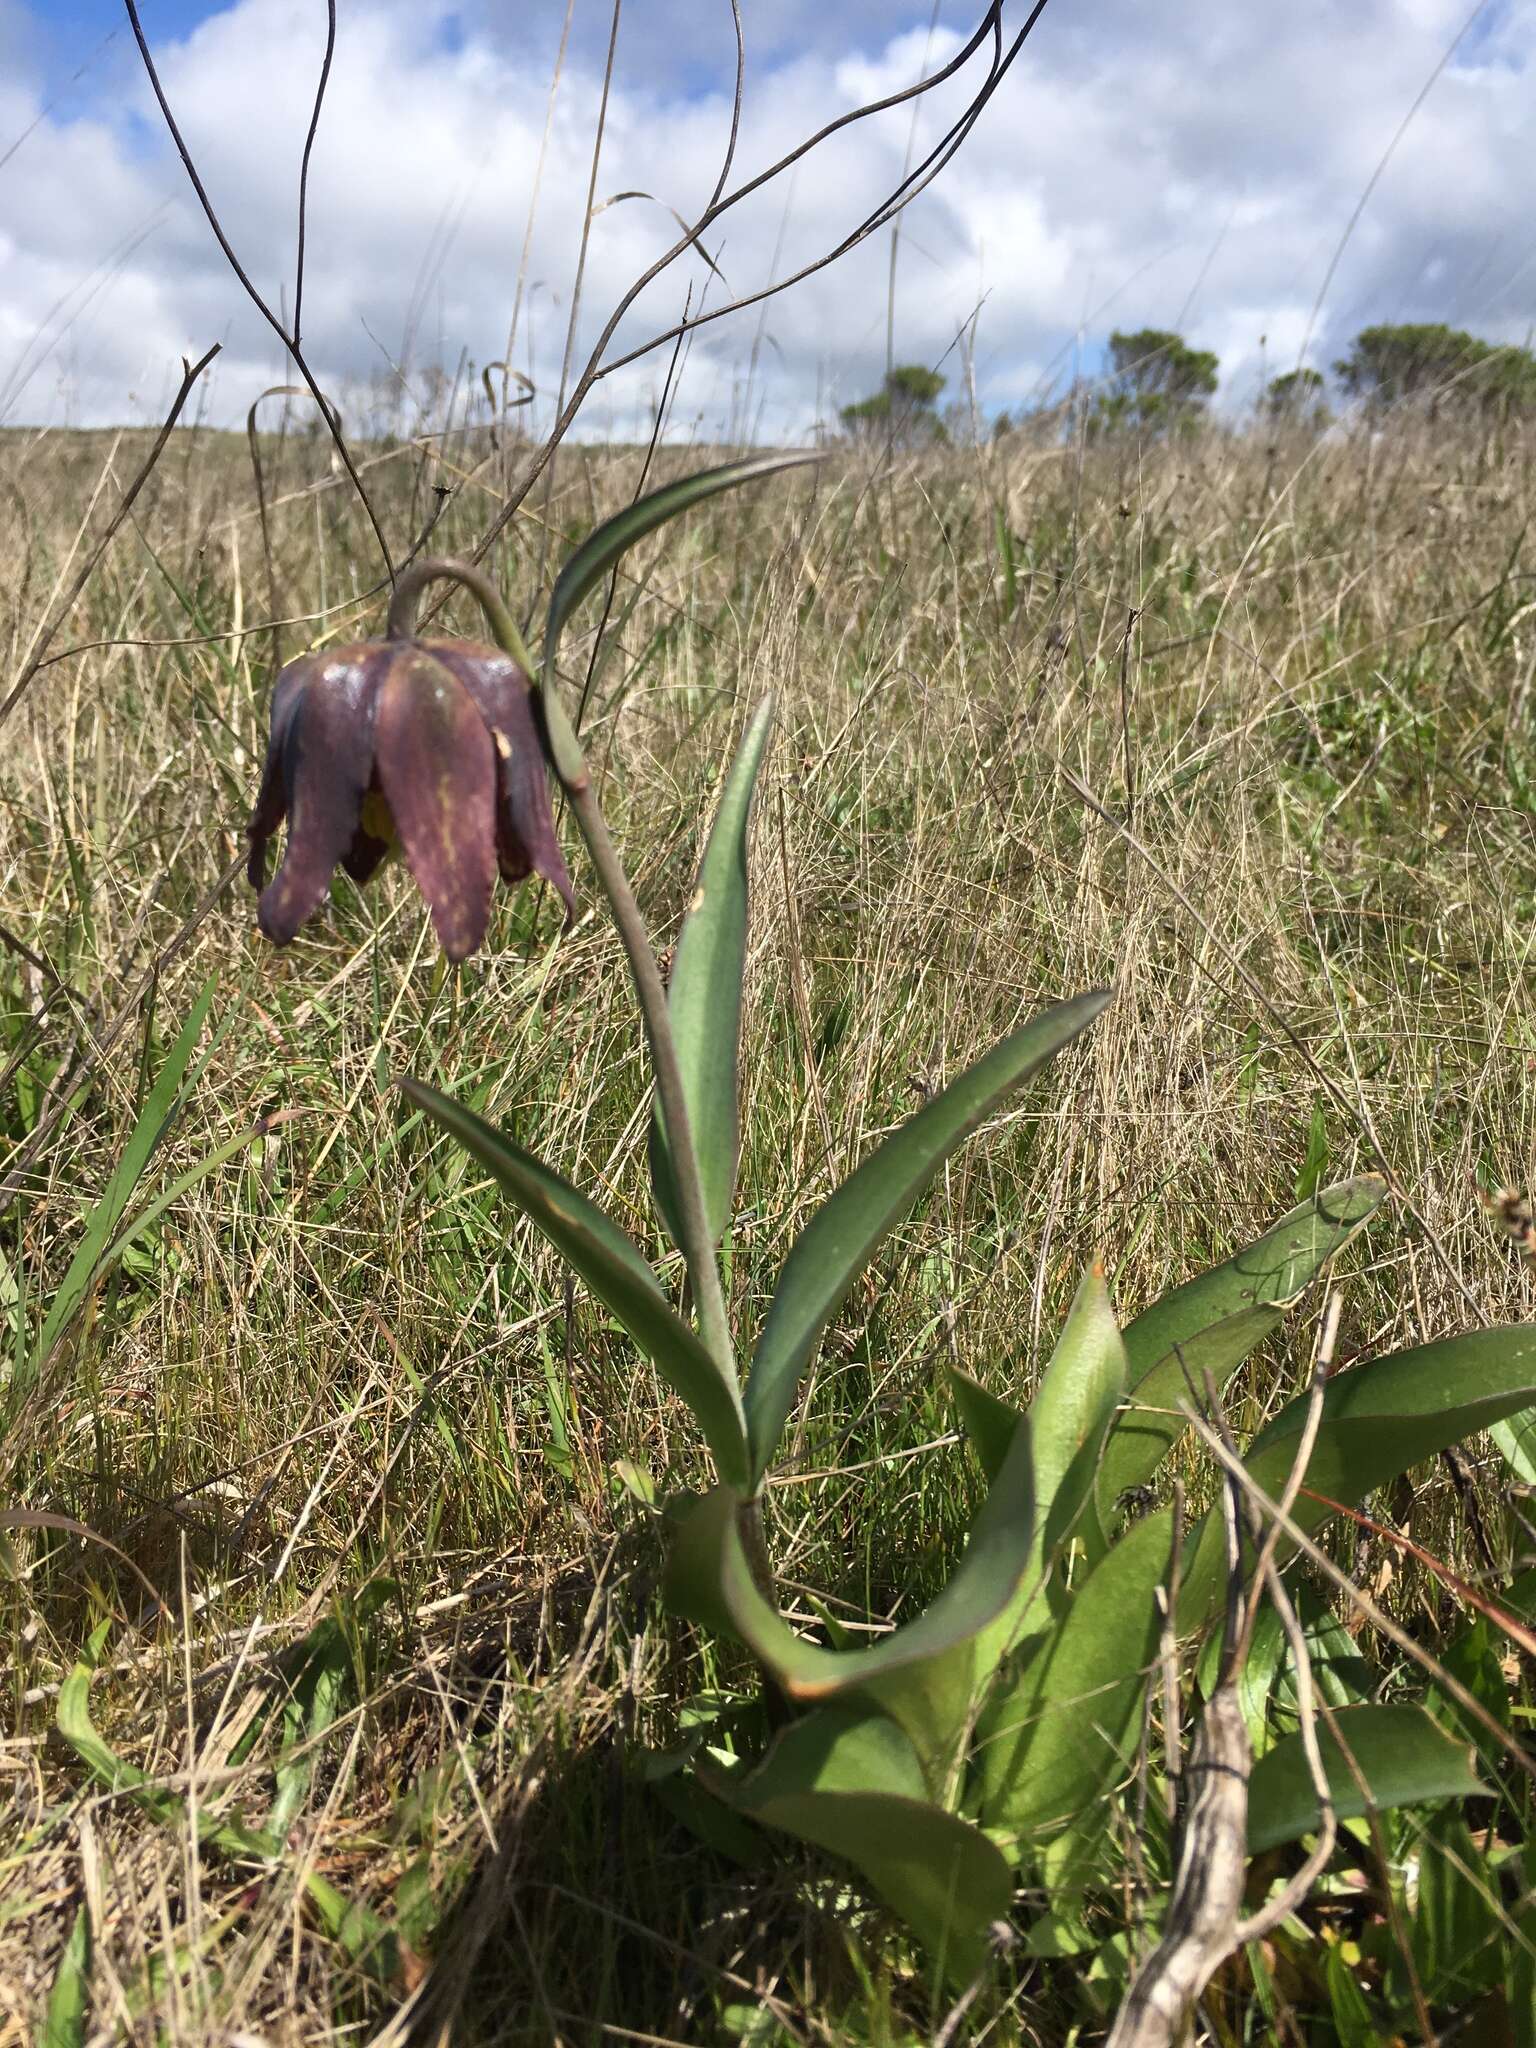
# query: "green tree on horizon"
1297, 398
901, 411
1433, 364
1157, 384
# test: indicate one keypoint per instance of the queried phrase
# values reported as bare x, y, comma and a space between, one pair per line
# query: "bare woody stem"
571, 767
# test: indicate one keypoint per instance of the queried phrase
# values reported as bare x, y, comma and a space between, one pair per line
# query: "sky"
1194, 167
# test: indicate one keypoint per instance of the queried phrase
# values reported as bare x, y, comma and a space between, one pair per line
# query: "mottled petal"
272, 797
525, 821
327, 764
437, 770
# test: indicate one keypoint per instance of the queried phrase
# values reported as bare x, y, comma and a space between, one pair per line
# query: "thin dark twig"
289, 341
309, 143
988, 30
1131, 616
911, 186
254, 444
190, 372
734, 136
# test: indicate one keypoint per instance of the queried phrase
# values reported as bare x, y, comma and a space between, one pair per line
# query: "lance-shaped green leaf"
1066, 1426
1211, 1324
614, 1270
924, 1674
988, 1421
1404, 1758
840, 1239
1052, 1741
597, 554
1378, 1420
852, 1784
704, 1000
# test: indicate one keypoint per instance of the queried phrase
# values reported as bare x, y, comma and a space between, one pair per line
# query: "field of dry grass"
1245, 728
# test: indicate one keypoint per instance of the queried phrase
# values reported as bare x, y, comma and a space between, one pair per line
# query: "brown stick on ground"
1204, 1923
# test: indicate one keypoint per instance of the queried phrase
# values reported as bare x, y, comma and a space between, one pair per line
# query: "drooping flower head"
436, 743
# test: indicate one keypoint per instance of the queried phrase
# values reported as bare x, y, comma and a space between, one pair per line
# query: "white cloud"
1139, 166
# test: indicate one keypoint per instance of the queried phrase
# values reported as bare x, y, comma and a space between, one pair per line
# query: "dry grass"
337, 1363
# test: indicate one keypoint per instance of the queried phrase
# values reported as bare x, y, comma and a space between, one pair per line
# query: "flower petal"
327, 764
437, 768
525, 821
272, 797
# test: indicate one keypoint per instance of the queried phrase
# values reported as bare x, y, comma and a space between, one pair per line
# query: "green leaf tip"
842, 1236
704, 1000
601, 549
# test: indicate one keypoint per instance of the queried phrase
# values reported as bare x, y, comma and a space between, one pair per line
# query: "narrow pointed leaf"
1066, 1425
1404, 1758
597, 554
614, 1270
704, 999
850, 1783
1214, 1321
840, 1239
987, 1421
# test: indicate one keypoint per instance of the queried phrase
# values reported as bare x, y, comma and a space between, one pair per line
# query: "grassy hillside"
1245, 728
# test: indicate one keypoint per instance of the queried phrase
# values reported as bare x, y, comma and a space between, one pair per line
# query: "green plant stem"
401, 622
571, 767
698, 1249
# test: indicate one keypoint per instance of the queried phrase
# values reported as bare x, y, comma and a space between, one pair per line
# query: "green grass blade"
107, 1214
116, 1774
152, 1211
597, 554
360, 1932
613, 1268
1405, 1758
704, 999
69, 2000
835, 1246
1214, 1321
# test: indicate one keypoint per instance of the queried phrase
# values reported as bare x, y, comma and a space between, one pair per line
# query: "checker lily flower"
437, 745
